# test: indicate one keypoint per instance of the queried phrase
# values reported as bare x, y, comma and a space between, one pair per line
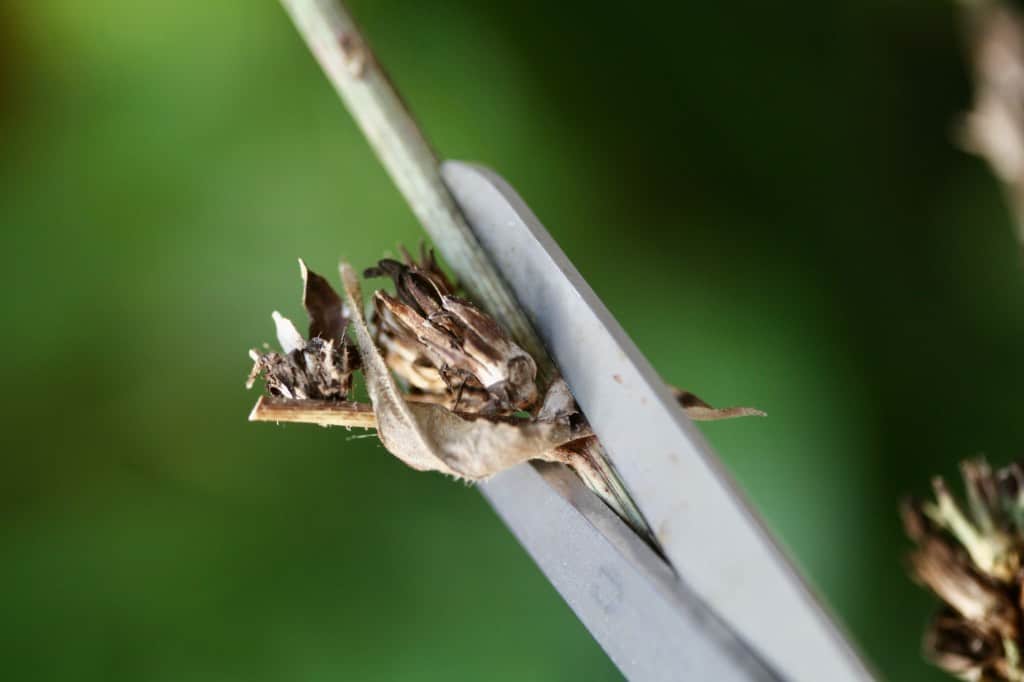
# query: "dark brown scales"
437, 342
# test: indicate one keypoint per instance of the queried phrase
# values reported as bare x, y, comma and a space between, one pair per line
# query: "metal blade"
706, 529
633, 604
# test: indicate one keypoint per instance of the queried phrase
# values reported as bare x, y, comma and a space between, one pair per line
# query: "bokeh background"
766, 195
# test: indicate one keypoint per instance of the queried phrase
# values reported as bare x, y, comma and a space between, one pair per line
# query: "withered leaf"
431, 437
698, 410
327, 315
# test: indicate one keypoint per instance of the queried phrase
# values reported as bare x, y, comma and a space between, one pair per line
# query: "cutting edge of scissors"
632, 603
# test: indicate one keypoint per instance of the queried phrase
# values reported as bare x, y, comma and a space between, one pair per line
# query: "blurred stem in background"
994, 128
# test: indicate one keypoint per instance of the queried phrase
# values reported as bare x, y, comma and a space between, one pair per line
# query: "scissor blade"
708, 532
633, 604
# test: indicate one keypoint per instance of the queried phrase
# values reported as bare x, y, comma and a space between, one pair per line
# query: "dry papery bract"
972, 561
449, 390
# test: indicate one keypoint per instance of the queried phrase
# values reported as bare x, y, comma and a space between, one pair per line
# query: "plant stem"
320, 412
339, 413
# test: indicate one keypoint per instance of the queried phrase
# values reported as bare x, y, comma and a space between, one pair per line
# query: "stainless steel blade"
632, 603
704, 526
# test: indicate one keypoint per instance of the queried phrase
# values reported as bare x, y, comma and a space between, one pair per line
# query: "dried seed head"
320, 368
960, 648
938, 565
431, 437
402, 350
425, 325
972, 562
993, 550
404, 353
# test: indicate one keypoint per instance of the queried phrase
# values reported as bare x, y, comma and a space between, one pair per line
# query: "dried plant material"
474, 358
994, 128
405, 355
963, 650
698, 410
319, 412
428, 265
269, 408
466, 381
972, 561
288, 337
558, 403
431, 437
318, 369
328, 317
402, 351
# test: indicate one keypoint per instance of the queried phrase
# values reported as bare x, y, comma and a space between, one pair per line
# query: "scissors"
712, 597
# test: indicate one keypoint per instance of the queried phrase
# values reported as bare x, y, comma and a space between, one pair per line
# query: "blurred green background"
765, 194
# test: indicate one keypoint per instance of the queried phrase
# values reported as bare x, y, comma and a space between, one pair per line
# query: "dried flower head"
426, 326
316, 369
972, 561
402, 351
